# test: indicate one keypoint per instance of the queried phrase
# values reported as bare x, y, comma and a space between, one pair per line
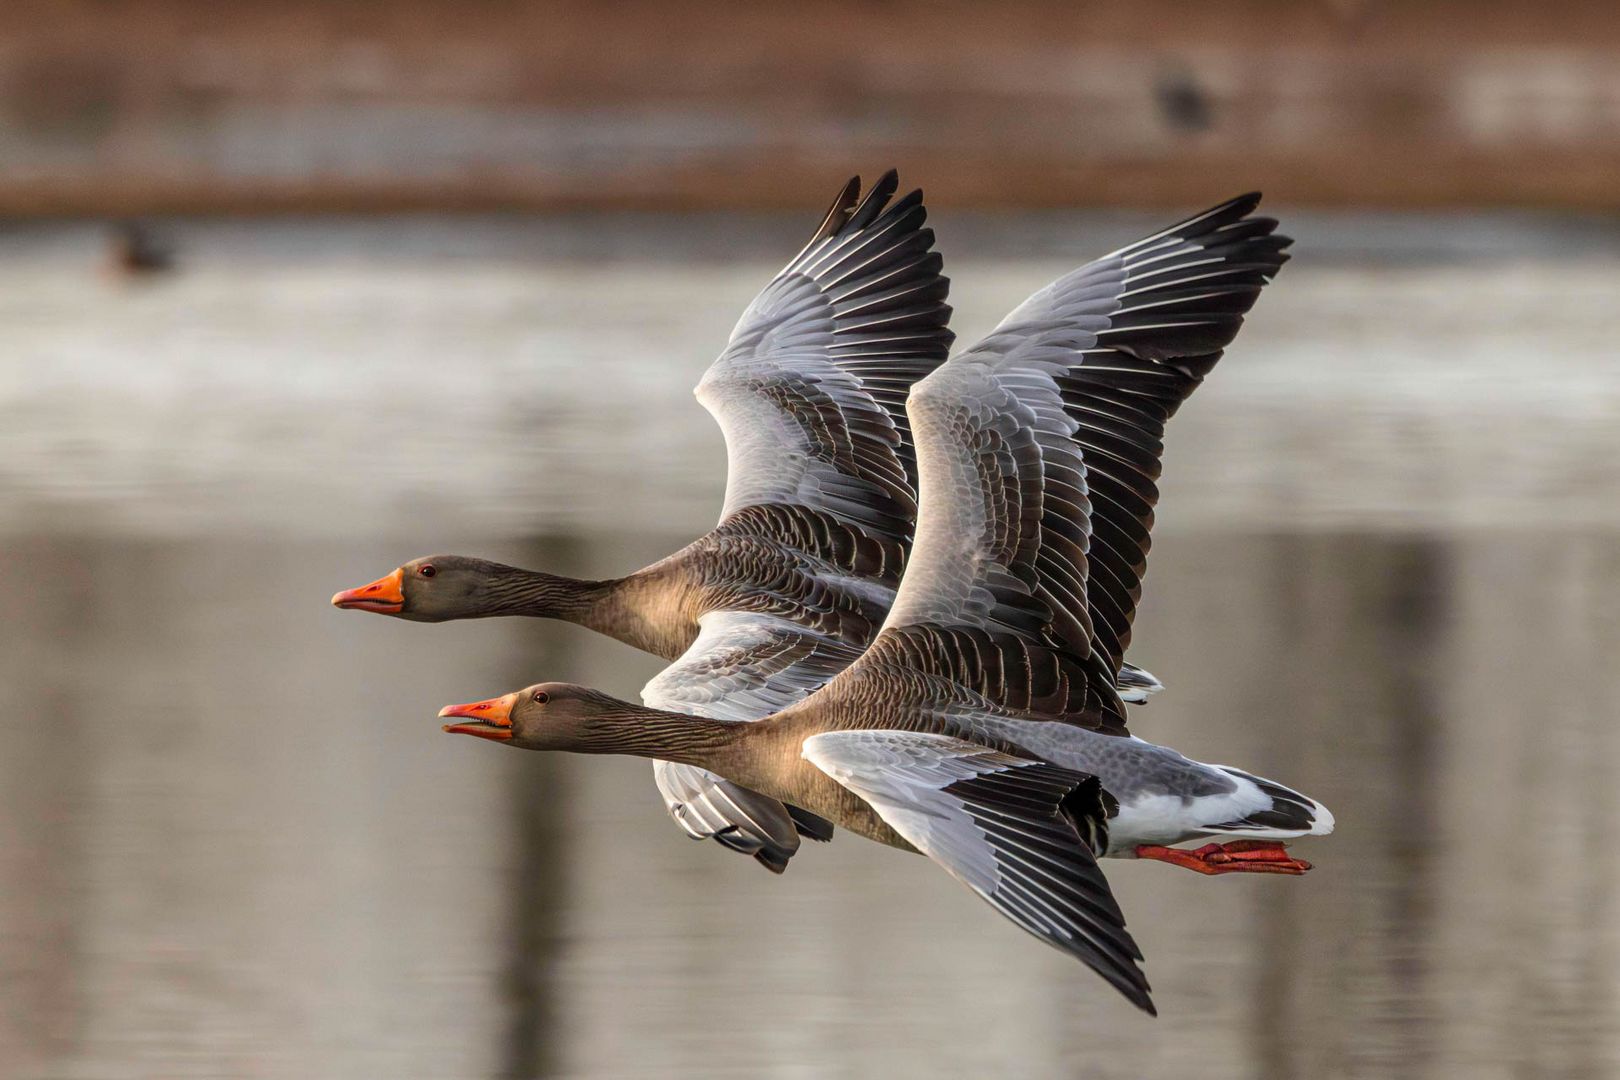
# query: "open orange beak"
490, 719
386, 595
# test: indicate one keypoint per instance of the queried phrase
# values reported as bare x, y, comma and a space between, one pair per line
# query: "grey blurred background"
291, 293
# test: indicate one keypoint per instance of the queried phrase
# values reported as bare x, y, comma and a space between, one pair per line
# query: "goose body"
1163, 797
797, 577
982, 726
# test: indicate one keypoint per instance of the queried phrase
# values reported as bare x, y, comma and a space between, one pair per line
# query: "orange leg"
1236, 857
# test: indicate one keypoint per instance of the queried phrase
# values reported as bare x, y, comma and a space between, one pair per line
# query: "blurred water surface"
234, 842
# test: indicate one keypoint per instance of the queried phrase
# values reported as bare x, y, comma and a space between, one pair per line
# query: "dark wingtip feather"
1044, 823
838, 213
1238, 206
873, 262
886, 186
877, 197
809, 825
771, 861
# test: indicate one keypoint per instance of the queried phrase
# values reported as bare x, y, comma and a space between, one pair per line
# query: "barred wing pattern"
743, 666
1173, 302
811, 390
1022, 834
1039, 450
820, 491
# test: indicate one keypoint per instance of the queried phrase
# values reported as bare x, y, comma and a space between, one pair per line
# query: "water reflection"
234, 841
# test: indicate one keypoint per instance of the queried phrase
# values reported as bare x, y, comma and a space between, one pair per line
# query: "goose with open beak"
982, 727
490, 719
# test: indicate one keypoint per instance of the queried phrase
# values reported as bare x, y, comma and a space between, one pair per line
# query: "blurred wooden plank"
169, 105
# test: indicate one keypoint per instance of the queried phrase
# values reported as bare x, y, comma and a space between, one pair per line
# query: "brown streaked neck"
650, 610
621, 727
543, 596
627, 609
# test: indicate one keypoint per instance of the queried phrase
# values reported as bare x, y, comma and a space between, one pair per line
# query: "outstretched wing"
1022, 834
1038, 449
810, 392
820, 491
1173, 301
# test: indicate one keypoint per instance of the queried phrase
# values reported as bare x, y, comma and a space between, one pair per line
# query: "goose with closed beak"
820, 503
982, 727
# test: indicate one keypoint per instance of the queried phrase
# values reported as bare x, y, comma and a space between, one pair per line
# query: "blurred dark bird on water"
1183, 102
134, 250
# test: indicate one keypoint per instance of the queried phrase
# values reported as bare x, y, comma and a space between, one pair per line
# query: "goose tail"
1288, 814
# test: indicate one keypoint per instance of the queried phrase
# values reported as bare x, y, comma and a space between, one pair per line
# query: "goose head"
435, 588
545, 716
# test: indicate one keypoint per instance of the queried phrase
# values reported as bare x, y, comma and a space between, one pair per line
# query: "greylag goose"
819, 507
982, 727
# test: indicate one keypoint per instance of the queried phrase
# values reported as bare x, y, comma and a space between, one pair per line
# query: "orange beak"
490, 719
385, 596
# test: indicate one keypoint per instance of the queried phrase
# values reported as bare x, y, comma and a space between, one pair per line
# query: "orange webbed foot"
1234, 857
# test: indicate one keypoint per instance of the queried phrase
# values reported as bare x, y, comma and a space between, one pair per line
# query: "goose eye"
541, 697
427, 571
